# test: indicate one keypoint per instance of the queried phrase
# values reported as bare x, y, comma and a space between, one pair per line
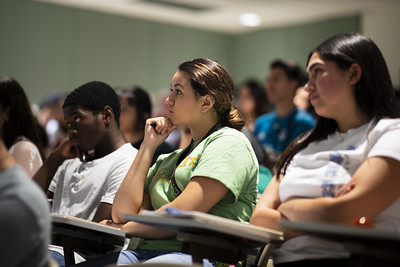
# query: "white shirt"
80, 187
323, 167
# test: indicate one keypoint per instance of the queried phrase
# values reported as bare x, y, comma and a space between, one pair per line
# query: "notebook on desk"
199, 222
78, 222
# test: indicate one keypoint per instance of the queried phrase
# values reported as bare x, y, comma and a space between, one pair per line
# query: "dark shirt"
164, 148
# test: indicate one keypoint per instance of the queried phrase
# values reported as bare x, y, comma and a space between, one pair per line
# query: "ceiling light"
250, 19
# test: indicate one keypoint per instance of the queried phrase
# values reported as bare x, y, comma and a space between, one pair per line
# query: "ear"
294, 84
208, 103
108, 114
355, 73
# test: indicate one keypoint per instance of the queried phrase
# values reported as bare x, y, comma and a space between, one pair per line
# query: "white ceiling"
223, 15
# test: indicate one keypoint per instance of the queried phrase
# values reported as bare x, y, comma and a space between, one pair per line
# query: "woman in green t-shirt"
217, 173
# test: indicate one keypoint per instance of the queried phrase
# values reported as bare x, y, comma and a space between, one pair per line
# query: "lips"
74, 140
313, 96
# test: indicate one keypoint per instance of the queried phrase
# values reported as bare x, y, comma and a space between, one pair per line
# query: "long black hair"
21, 122
137, 97
374, 93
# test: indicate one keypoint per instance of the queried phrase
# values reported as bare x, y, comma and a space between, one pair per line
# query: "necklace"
187, 150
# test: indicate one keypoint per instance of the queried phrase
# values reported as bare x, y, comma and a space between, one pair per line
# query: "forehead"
314, 60
180, 78
277, 72
75, 110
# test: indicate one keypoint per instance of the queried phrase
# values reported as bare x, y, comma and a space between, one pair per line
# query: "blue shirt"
275, 133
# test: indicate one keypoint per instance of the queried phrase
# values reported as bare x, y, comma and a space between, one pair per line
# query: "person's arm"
265, 213
201, 194
46, 172
130, 195
103, 212
375, 187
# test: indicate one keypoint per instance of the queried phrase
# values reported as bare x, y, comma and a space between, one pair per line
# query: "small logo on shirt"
336, 157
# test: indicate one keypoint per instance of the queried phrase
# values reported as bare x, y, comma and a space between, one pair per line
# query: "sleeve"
230, 160
116, 176
27, 155
60, 171
387, 143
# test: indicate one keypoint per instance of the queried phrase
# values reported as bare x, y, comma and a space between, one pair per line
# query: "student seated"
24, 214
20, 128
83, 174
275, 130
348, 166
217, 172
136, 108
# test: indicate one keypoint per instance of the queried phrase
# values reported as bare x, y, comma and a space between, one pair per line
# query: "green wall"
254, 51
47, 46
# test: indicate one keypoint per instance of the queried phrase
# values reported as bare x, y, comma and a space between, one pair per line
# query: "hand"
112, 224
346, 188
67, 150
157, 130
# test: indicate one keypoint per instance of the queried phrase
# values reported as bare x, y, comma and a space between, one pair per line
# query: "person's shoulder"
230, 135
387, 124
125, 149
24, 145
263, 122
265, 117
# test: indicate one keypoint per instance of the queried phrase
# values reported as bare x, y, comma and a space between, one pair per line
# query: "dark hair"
94, 96
22, 122
374, 94
292, 70
209, 77
140, 99
259, 96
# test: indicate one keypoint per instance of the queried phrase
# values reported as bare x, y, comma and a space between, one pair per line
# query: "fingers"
105, 222
345, 189
161, 125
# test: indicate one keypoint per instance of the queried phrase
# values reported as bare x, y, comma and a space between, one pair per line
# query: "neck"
110, 143
199, 131
350, 122
134, 137
250, 124
283, 109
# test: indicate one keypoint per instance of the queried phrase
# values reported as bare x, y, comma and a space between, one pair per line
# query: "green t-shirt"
227, 156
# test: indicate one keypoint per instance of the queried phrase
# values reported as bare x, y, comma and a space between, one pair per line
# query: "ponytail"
233, 119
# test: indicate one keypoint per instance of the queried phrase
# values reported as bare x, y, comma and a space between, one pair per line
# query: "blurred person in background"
278, 128
51, 117
136, 108
20, 128
25, 216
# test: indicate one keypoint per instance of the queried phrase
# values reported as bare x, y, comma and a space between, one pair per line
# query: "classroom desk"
212, 237
75, 234
367, 246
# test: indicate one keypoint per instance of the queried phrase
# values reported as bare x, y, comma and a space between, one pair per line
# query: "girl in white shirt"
347, 166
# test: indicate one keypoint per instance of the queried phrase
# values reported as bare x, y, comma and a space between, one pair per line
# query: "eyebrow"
73, 114
313, 66
177, 84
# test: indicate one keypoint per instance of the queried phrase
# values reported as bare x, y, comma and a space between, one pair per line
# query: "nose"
309, 86
169, 101
72, 132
